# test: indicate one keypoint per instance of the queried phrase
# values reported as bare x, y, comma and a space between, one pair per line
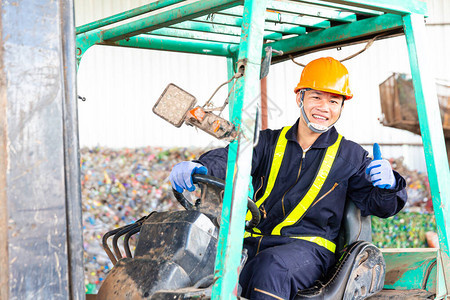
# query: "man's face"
322, 108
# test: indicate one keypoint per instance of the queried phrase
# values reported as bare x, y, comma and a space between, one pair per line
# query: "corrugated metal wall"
121, 86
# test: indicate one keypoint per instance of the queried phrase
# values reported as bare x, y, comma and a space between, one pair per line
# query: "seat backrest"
354, 227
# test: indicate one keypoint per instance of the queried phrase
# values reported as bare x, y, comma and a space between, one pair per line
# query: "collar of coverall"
324, 140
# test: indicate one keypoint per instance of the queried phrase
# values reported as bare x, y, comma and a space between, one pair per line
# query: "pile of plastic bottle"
119, 187
404, 230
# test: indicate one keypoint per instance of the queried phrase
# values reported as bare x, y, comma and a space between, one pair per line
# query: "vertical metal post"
77, 288
240, 152
432, 133
4, 258
39, 199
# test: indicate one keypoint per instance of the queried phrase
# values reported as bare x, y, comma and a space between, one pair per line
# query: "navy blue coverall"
278, 266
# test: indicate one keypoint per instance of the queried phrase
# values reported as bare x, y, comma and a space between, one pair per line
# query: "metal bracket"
265, 65
241, 65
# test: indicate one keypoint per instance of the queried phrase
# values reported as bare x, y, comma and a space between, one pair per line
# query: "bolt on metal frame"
236, 30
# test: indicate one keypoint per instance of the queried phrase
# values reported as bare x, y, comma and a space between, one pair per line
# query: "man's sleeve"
373, 200
216, 160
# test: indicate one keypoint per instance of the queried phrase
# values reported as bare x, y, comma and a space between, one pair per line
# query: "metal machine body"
175, 250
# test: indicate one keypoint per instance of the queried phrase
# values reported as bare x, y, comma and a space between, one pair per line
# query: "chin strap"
313, 126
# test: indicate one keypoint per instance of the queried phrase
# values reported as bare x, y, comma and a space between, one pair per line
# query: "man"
303, 175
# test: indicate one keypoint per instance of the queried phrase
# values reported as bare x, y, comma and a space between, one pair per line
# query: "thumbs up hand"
380, 170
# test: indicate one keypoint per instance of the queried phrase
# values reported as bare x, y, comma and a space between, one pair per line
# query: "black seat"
360, 268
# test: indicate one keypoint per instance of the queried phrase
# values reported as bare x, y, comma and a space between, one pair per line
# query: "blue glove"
380, 170
181, 175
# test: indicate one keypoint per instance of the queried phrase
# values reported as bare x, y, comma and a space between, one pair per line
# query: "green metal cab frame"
237, 31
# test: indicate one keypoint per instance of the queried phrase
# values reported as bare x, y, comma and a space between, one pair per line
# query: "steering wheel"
212, 191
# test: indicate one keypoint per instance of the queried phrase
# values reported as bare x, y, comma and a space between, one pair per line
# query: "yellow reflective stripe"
248, 234
313, 239
319, 241
312, 193
276, 164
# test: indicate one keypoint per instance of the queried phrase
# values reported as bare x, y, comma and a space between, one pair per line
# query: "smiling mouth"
320, 118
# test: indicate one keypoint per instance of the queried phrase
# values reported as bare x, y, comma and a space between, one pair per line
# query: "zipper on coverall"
296, 180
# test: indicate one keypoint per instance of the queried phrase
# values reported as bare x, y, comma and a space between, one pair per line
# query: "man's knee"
265, 272
271, 263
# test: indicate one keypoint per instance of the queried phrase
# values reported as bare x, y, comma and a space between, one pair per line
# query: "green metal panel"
407, 269
279, 18
392, 6
328, 38
126, 15
166, 18
240, 153
432, 133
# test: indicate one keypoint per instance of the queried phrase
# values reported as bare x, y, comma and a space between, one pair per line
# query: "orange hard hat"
325, 74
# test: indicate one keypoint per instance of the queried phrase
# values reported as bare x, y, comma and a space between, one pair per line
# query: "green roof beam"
286, 29
275, 36
225, 29
347, 8
84, 41
221, 19
126, 15
335, 36
195, 35
400, 7
166, 18
181, 45
237, 22
279, 18
209, 27
308, 10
